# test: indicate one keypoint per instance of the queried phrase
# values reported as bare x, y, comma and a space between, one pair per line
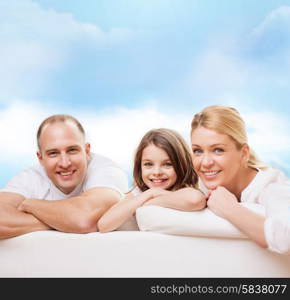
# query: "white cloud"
26, 20
216, 71
273, 129
18, 125
116, 133
35, 42
237, 65
278, 19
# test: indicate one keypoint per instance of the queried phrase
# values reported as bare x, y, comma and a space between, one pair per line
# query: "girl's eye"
168, 164
147, 164
196, 151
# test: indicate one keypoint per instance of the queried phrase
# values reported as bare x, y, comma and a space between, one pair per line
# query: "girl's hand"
156, 192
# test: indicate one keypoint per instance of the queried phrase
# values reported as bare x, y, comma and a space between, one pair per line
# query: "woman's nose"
207, 160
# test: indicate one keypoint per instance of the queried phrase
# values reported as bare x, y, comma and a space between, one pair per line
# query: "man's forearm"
77, 214
56, 214
14, 222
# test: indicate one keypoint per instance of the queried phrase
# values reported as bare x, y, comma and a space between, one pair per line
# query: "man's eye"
52, 154
73, 150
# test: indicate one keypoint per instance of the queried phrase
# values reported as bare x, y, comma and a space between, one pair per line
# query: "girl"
163, 175
230, 171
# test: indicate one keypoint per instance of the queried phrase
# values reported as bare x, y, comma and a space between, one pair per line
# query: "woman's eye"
219, 150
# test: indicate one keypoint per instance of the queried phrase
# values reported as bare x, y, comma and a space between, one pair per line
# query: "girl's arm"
122, 211
187, 199
224, 204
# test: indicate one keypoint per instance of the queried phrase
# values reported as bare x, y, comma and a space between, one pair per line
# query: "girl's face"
157, 169
216, 159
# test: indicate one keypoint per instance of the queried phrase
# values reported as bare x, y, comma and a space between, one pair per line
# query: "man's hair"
55, 119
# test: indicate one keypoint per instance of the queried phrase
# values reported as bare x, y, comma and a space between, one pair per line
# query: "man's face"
64, 155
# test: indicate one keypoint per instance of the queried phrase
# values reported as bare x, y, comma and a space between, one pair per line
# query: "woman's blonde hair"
179, 154
226, 120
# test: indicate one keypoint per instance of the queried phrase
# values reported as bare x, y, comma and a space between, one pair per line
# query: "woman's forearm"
249, 222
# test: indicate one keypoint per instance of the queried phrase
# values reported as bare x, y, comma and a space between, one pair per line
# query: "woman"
230, 173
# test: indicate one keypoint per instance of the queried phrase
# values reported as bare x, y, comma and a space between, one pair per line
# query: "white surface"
136, 254
194, 223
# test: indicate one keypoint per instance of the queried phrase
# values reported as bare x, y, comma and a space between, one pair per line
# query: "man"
83, 185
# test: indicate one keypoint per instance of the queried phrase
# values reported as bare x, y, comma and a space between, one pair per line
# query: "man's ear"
39, 156
88, 149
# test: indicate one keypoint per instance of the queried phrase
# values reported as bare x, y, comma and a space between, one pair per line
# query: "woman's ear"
245, 154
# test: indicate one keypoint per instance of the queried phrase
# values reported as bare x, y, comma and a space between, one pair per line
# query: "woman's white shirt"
271, 188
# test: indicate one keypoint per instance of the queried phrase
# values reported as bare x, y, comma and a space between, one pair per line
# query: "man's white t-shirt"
271, 188
34, 182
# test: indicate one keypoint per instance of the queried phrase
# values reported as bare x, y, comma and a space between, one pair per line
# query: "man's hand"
14, 222
21, 206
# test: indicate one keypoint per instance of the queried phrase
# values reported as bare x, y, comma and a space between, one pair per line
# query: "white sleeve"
277, 233
22, 184
277, 223
109, 176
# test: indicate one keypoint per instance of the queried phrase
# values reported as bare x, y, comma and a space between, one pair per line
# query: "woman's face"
216, 159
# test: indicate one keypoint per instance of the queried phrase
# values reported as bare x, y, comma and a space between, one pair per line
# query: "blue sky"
123, 67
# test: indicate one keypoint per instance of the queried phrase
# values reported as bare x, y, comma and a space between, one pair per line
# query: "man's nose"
64, 161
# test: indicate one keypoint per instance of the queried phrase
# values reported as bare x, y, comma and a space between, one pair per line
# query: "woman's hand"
225, 204
220, 201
